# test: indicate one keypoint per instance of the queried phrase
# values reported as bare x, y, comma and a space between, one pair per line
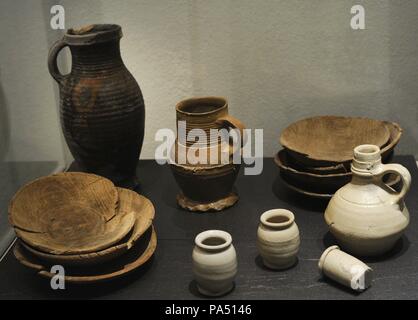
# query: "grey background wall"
276, 62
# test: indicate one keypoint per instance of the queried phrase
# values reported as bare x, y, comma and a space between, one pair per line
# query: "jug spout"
367, 159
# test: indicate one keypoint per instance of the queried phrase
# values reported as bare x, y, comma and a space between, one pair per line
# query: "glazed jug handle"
403, 173
229, 121
52, 60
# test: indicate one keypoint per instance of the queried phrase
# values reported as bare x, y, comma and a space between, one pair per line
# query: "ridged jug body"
101, 107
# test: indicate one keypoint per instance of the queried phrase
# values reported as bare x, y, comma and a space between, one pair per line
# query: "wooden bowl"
307, 181
330, 140
316, 185
69, 213
316, 195
386, 152
128, 201
395, 132
338, 168
135, 258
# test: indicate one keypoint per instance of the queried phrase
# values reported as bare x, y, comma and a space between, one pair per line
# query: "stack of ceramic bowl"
317, 152
84, 223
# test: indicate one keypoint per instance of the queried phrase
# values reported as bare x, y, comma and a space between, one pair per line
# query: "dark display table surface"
168, 275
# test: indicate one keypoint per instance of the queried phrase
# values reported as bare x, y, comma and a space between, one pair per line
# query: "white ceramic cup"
278, 239
214, 262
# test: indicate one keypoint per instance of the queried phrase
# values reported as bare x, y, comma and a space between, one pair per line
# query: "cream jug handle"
403, 173
52, 60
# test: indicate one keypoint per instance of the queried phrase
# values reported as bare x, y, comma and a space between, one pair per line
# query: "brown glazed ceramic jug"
206, 186
101, 105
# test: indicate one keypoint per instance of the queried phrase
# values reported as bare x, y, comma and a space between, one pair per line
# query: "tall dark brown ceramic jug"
101, 105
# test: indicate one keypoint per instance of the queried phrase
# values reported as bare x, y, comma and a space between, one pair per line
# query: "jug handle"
232, 122
403, 173
52, 60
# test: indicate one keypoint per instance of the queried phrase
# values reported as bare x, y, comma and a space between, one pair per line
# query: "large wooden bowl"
69, 213
395, 133
128, 201
329, 140
135, 258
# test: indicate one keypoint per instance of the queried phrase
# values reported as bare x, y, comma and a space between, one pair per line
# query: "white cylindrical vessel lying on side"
345, 269
278, 239
214, 262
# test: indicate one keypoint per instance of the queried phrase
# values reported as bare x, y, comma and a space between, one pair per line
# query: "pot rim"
367, 153
201, 237
182, 103
87, 35
323, 257
277, 213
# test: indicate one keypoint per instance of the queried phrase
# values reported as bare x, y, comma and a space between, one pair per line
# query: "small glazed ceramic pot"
345, 269
278, 239
214, 262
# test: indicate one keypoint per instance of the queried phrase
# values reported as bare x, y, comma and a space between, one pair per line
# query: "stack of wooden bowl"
317, 152
81, 221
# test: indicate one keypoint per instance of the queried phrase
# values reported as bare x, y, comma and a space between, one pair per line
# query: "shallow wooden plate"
84, 232
395, 132
135, 258
337, 168
311, 184
329, 140
47, 192
128, 201
69, 213
307, 193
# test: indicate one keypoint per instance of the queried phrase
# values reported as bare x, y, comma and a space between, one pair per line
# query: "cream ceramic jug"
366, 216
